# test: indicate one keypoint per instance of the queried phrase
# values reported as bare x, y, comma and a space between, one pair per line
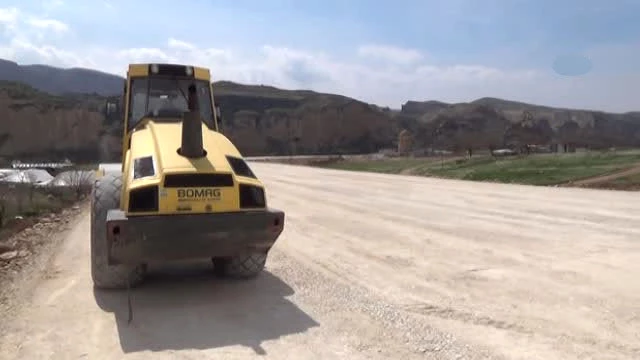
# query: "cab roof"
185, 70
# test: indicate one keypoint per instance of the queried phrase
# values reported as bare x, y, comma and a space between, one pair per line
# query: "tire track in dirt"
606, 178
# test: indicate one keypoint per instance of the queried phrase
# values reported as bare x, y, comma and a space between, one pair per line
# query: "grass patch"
387, 166
627, 180
537, 169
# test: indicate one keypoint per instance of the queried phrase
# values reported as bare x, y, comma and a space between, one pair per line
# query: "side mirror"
111, 110
219, 118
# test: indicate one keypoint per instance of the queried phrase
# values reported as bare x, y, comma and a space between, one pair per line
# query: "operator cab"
159, 92
164, 99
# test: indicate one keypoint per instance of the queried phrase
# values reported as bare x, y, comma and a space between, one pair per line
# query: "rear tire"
104, 197
244, 266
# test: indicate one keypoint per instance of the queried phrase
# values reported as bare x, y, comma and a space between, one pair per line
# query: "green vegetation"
26, 96
230, 88
541, 169
388, 166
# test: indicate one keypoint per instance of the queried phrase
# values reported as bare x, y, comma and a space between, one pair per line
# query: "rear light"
251, 196
144, 199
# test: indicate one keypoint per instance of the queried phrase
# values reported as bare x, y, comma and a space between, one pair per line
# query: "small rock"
5, 248
9, 255
24, 253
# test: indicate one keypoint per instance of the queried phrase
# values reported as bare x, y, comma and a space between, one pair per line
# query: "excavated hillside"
260, 120
270, 121
48, 114
40, 126
496, 122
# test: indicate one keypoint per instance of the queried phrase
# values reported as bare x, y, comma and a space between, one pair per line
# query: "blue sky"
378, 51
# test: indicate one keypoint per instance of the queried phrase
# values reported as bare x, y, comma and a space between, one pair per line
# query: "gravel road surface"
369, 266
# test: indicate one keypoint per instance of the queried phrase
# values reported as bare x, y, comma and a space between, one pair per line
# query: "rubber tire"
105, 195
243, 266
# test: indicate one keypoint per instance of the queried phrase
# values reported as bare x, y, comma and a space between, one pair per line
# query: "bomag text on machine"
184, 190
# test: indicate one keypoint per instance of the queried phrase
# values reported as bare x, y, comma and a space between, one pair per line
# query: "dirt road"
371, 266
606, 178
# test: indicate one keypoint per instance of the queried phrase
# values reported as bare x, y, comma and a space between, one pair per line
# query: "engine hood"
162, 141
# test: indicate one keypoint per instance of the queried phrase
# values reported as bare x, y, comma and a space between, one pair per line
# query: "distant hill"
60, 81
264, 120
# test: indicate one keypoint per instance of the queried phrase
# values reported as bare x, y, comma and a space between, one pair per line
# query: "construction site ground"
616, 170
370, 266
626, 179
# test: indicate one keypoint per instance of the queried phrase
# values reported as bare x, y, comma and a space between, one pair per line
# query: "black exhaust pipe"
192, 146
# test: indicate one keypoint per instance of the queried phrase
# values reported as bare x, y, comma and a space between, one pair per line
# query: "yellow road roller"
184, 191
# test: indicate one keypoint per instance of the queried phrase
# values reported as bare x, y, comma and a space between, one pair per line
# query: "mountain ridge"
227, 86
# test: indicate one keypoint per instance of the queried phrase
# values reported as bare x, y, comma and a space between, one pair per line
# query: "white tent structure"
41, 177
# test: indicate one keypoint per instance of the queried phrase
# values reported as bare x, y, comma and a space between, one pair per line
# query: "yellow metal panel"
162, 140
125, 127
124, 198
147, 141
143, 70
143, 142
248, 181
138, 70
228, 200
201, 73
138, 183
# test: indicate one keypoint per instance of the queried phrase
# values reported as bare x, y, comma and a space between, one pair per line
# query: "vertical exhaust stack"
192, 146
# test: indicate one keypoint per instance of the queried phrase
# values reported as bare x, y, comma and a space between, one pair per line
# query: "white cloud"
48, 24
137, 55
9, 19
50, 4
18, 26
398, 74
179, 44
390, 54
46, 53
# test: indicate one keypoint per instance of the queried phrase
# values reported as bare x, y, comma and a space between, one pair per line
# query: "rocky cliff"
261, 120
38, 125
495, 122
50, 113
270, 121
